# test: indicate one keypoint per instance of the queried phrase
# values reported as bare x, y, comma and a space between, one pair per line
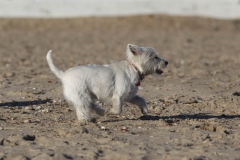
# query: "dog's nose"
166, 63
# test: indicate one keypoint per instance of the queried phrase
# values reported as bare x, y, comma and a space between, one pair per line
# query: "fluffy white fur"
113, 83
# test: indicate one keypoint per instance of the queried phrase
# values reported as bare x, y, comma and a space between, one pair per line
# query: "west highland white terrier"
111, 84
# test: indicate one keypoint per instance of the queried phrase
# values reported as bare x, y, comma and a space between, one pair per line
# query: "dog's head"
146, 59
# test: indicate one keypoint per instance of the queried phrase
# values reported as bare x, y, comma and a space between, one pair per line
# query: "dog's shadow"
180, 117
24, 103
188, 116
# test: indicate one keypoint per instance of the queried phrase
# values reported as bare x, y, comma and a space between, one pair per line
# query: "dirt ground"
194, 105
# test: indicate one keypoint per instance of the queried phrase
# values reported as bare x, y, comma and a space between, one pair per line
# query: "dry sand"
194, 105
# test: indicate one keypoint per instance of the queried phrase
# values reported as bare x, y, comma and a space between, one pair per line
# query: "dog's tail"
52, 66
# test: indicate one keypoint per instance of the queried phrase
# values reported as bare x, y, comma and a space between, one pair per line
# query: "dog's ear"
133, 49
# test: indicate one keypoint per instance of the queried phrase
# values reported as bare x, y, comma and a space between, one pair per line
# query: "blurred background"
183, 29
79, 8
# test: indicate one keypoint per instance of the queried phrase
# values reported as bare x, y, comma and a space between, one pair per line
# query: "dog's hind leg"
83, 111
82, 104
81, 100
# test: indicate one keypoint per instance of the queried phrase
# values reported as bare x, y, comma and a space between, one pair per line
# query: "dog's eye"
156, 57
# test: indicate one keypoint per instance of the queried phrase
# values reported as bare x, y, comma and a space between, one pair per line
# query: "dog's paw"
113, 111
144, 111
94, 120
83, 122
111, 114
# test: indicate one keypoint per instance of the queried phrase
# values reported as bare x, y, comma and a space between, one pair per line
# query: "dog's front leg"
141, 103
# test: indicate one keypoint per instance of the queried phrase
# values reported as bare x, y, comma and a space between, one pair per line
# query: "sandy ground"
194, 105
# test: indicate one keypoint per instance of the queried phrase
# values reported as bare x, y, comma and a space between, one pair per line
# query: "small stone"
236, 94
1, 128
38, 91
25, 112
37, 121
168, 124
27, 121
68, 110
28, 108
232, 112
50, 152
29, 137
124, 127
38, 107
103, 128
226, 132
8, 74
84, 130
46, 110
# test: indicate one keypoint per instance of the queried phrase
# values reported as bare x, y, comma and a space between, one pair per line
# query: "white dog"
112, 84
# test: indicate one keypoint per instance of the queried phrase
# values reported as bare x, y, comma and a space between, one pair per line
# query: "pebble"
37, 121
25, 112
28, 108
84, 130
68, 110
27, 121
236, 94
9, 74
1, 128
38, 92
29, 137
103, 128
38, 107
45, 110
172, 130
124, 127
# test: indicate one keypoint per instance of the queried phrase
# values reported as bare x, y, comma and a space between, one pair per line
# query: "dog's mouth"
159, 71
